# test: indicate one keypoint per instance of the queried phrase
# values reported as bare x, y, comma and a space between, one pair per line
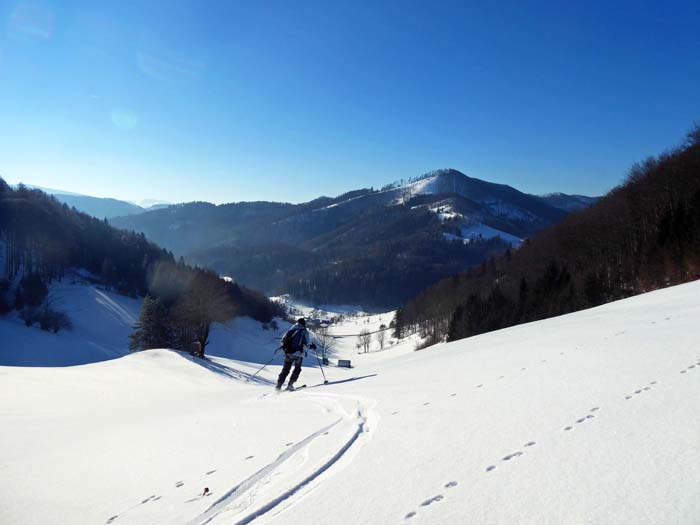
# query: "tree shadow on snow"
226, 371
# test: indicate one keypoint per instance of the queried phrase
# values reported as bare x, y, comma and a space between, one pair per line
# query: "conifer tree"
153, 328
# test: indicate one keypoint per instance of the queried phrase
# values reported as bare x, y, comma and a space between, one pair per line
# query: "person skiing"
293, 343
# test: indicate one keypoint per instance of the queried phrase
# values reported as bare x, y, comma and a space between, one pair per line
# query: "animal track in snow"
453, 395
409, 515
249, 457
152, 497
513, 455
450, 484
530, 444
426, 403
432, 500
479, 386
289, 444
179, 484
595, 409
568, 428
490, 468
210, 472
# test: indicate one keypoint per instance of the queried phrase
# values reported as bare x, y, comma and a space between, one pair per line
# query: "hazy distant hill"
569, 202
101, 207
373, 247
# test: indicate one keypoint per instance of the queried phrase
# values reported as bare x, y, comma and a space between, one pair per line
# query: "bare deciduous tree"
326, 341
381, 336
364, 339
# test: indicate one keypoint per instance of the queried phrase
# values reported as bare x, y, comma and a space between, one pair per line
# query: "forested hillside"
42, 239
45, 237
643, 235
371, 247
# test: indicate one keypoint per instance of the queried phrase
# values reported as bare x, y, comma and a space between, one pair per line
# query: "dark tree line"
643, 235
42, 239
45, 237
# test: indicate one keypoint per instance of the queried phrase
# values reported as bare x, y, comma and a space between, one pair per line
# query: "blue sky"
279, 100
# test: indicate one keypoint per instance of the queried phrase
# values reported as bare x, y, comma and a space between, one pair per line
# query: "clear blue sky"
279, 100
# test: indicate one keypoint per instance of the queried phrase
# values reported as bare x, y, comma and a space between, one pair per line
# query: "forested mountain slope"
371, 247
43, 242
643, 235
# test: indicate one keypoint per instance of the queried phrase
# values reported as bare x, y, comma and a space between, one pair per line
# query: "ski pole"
263, 366
325, 381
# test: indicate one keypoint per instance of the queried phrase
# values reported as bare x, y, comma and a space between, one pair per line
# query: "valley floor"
593, 417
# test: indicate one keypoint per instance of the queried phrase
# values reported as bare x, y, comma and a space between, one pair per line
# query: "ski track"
248, 486
331, 405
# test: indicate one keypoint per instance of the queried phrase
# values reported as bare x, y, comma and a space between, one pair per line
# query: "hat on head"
301, 321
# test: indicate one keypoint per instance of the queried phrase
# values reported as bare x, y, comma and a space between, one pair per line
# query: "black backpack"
291, 342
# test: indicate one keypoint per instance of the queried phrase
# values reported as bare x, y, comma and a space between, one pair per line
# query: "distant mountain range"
569, 202
102, 207
371, 247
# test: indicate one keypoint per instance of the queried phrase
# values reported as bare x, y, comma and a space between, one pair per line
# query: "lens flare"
31, 21
124, 119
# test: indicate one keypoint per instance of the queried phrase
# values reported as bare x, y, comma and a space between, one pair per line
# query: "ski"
295, 389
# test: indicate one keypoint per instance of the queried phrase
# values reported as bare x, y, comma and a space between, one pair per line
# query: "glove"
312, 346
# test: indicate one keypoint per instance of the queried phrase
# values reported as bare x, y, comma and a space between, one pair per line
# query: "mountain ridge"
100, 207
429, 228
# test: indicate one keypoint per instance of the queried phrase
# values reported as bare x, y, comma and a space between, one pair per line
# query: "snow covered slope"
591, 417
102, 323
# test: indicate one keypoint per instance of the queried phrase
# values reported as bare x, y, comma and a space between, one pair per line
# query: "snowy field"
102, 323
593, 417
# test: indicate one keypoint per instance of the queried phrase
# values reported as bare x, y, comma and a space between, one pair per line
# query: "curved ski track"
360, 420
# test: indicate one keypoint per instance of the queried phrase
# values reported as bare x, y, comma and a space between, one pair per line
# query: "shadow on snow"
226, 371
343, 381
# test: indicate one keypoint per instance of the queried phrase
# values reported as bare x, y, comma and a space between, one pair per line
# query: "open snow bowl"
590, 417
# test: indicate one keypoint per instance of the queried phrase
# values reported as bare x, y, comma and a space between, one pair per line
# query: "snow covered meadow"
102, 323
591, 417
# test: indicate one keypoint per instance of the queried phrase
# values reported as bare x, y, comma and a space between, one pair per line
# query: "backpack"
291, 342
